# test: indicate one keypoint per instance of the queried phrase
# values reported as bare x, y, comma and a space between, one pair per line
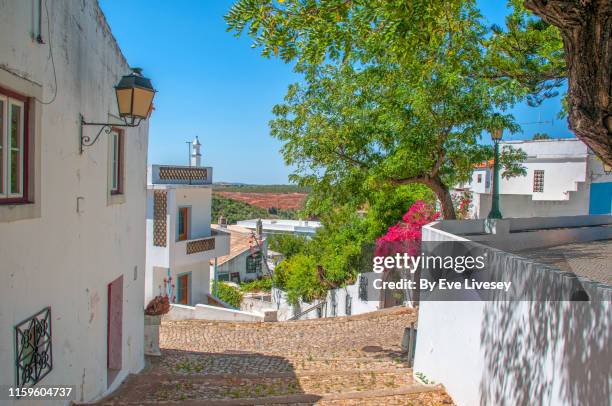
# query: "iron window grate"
33, 352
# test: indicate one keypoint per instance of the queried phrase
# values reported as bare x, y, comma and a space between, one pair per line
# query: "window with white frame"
538, 180
13, 144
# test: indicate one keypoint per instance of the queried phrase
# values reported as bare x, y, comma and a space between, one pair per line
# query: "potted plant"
157, 307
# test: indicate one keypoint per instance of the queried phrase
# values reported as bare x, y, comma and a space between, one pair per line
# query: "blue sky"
214, 85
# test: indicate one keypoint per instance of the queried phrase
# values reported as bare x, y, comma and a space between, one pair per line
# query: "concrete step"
225, 387
205, 364
405, 394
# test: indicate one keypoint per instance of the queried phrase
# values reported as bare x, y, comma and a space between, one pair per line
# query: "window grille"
334, 303
33, 355
363, 287
538, 181
348, 308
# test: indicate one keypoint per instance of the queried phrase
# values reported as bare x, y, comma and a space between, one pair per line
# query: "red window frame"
120, 158
26, 148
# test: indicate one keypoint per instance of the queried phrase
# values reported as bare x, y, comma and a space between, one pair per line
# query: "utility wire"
51, 56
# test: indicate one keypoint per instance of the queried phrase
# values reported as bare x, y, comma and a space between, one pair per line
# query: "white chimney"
196, 157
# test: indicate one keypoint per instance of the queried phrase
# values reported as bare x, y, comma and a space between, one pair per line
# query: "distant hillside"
234, 187
234, 210
267, 200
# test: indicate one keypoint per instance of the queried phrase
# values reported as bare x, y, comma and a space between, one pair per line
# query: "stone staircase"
320, 369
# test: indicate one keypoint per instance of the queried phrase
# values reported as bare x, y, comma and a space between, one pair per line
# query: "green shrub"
258, 285
228, 293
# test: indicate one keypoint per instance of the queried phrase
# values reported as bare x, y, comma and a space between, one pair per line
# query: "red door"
183, 289
115, 324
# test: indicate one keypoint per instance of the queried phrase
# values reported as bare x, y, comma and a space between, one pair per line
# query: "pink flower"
405, 236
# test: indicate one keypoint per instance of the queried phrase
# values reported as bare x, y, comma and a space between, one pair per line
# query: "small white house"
282, 226
245, 260
72, 231
180, 240
564, 178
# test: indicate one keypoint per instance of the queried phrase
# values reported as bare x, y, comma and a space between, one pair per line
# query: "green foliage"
541, 136
257, 285
228, 293
234, 210
301, 282
339, 247
510, 160
393, 103
526, 57
394, 93
287, 244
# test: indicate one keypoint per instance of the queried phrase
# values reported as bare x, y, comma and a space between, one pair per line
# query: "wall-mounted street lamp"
495, 213
607, 169
134, 102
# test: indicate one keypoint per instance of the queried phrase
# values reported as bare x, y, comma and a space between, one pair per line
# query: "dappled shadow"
547, 352
212, 378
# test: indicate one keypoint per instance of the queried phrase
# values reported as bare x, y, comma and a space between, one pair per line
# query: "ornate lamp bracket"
88, 141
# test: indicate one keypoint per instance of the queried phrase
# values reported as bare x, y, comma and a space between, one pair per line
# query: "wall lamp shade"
134, 102
497, 133
134, 97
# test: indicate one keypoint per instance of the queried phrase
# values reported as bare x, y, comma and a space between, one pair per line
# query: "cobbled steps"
353, 361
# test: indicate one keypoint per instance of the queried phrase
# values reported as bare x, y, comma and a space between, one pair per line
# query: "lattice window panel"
363, 287
178, 173
160, 206
33, 352
196, 246
538, 181
348, 305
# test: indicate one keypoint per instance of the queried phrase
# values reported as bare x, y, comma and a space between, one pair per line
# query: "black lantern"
134, 96
134, 101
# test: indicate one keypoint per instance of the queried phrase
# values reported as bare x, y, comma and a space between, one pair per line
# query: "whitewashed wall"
286, 310
55, 256
518, 352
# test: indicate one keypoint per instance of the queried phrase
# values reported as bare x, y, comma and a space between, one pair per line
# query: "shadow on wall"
538, 351
243, 377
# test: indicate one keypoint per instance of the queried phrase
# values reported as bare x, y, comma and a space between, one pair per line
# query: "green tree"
587, 41
287, 244
394, 93
541, 136
302, 281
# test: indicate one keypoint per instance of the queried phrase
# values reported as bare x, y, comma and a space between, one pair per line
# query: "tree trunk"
444, 196
586, 29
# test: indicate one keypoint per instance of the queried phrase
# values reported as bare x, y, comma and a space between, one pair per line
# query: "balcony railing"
182, 175
200, 245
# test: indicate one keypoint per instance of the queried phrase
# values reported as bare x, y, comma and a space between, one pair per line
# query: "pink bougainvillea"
405, 236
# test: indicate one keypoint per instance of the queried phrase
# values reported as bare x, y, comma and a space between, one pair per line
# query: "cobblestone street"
337, 361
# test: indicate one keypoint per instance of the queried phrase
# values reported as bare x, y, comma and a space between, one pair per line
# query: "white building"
72, 248
180, 240
564, 178
245, 260
281, 226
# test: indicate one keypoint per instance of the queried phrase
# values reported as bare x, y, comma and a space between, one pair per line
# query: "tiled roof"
488, 164
241, 240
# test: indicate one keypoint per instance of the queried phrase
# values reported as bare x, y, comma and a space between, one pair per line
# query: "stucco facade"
64, 247
573, 182
174, 251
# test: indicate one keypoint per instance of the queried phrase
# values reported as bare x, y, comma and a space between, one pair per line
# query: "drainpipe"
216, 279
